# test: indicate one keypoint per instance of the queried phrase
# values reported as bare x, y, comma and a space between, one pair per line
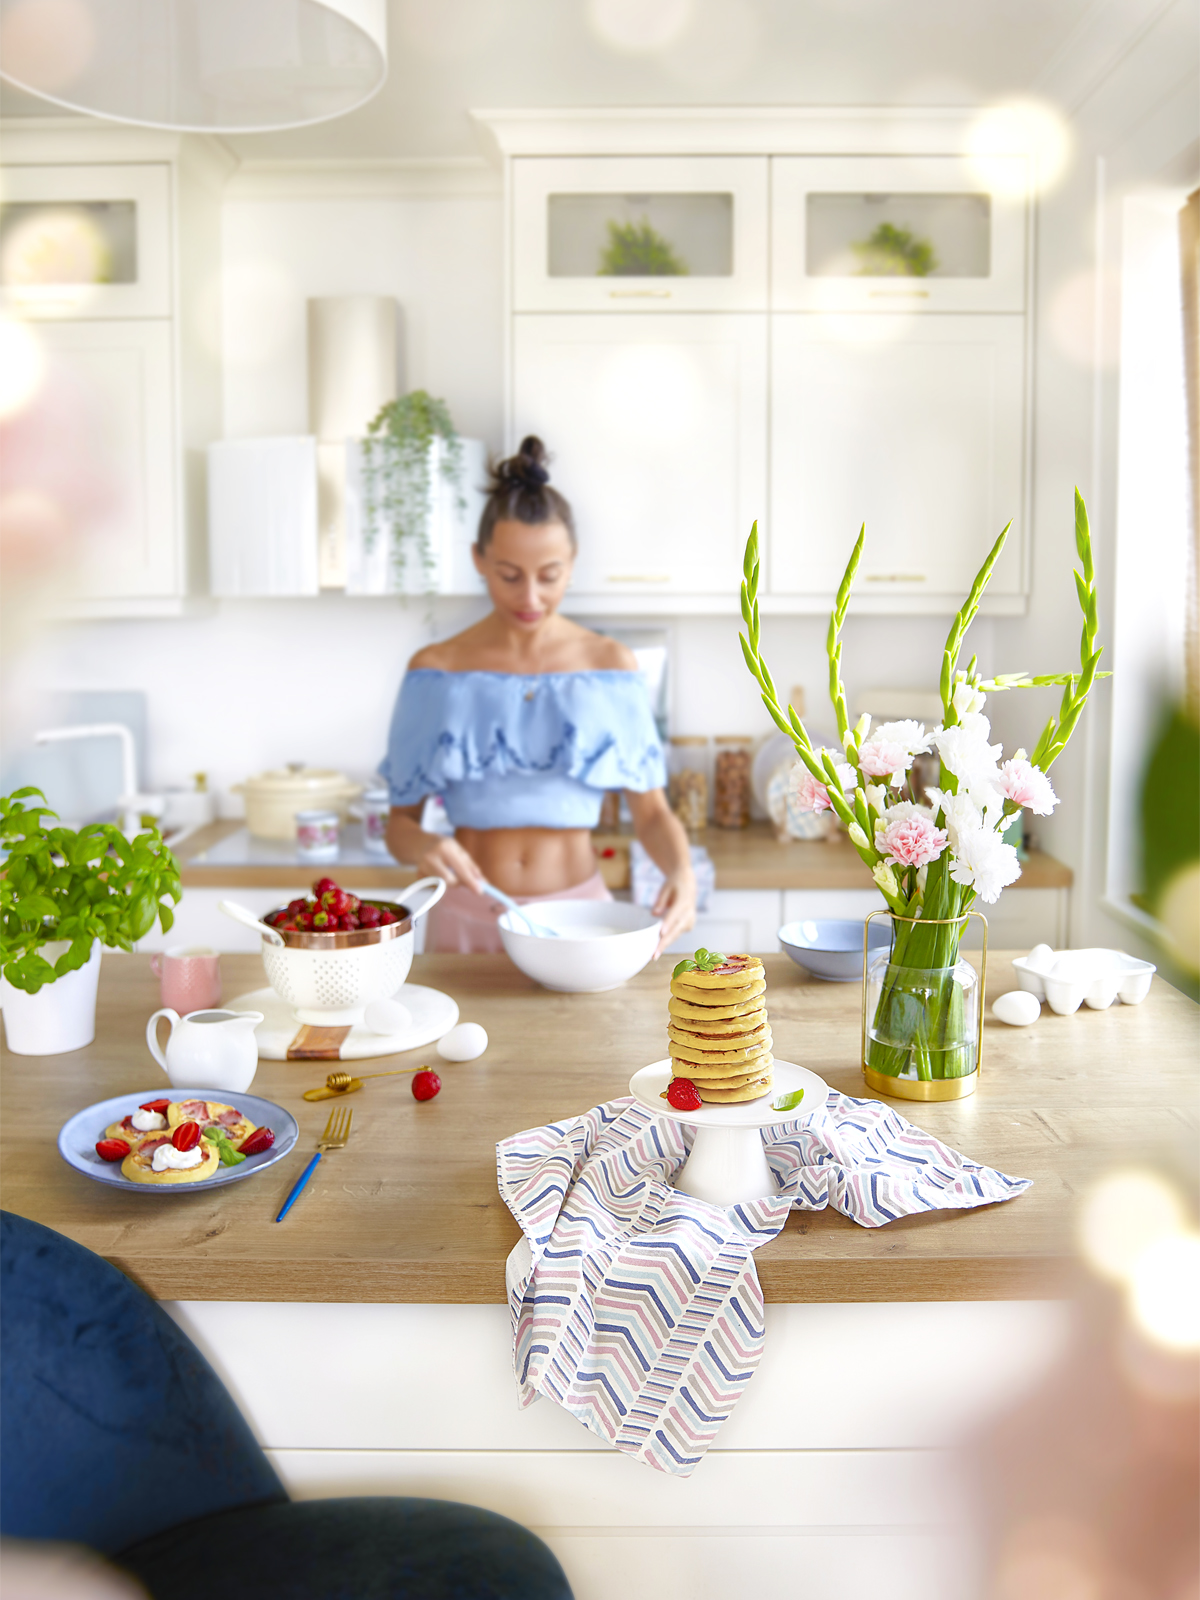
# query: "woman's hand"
664, 841
433, 854
676, 905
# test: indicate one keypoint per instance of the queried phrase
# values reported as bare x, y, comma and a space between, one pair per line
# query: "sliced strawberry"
186, 1136
261, 1139
156, 1105
112, 1149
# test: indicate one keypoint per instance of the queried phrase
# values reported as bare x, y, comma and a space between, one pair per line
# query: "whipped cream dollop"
148, 1121
167, 1158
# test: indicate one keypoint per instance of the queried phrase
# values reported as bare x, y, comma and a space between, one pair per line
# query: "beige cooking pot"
273, 798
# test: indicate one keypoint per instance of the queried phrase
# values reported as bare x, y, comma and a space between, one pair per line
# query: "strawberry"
320, 921
425, 1084
324, 886
156, 1105
683, 1094
386, 918
352, 903
112, 1149
304, 922
186, 1136
368, 916
295, 907
258, 1141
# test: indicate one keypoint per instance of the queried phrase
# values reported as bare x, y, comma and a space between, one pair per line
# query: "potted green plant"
407, 442
63, 894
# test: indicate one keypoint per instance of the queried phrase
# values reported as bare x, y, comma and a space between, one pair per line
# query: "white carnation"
965, 751
984, 862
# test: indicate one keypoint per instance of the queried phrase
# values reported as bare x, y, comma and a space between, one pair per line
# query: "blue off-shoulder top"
505, 750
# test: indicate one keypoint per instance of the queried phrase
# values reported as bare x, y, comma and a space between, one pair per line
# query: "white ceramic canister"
317, 835
376, 808
207, 1049
61, 1016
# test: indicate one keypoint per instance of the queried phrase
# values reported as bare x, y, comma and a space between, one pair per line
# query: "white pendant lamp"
204, 66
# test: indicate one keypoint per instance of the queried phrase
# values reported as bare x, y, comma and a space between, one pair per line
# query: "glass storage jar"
688, 765
731, 801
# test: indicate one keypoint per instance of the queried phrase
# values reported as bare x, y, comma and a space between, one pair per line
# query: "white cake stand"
728, 1165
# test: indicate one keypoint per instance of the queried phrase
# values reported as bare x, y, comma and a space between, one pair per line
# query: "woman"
521, 723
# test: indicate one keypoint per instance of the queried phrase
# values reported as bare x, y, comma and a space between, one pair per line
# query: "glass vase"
922, 1011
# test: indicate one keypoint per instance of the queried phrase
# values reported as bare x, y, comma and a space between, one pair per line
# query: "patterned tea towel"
638, 1308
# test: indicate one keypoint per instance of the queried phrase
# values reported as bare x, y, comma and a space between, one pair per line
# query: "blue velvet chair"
117, 1434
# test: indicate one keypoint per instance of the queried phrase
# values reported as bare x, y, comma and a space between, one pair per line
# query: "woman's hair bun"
527, 469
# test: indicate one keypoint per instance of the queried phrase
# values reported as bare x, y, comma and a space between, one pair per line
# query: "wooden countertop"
410, 1211
745, 858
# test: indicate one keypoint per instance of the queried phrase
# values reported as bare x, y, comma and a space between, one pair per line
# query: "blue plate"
77, 1138
831, 947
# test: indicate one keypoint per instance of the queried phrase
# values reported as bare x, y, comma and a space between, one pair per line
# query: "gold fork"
335, 1137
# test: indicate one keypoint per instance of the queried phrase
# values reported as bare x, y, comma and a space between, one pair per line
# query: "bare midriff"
530, 860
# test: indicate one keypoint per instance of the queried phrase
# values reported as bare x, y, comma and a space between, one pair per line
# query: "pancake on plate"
719, 1036
138, 1165
211, 1113
126, 1130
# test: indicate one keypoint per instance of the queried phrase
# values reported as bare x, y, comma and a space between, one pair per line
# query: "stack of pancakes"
720, 1039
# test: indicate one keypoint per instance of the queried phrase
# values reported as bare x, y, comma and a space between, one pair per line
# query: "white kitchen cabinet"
643, 233
888, 233
110, 249
115, 382
736, 920
913, 425
657, 426
86, 241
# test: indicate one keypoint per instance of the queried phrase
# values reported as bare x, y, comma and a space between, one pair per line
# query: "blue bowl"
832, 947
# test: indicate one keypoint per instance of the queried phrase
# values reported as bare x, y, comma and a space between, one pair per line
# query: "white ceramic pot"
273, 798
601, 943
207, 1049
330, 978
61, 1016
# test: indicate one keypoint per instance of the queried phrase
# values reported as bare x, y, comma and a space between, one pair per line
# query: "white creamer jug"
208, 1049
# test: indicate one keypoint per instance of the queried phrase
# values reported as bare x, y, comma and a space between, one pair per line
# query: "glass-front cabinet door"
640, 233
898, 233
86, 241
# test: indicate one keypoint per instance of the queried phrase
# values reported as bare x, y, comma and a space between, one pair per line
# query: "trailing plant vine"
397, 476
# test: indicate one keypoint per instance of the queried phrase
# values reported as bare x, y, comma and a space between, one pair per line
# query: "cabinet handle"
899, 294
638, 577
639, 294
895, 577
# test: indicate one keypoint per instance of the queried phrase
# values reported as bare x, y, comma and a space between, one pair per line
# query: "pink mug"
189, 977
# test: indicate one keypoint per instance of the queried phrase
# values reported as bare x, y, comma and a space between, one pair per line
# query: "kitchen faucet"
130, 802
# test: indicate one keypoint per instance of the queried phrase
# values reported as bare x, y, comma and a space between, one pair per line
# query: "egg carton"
1067, 979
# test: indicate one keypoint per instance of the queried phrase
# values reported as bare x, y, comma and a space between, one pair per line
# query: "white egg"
387, 1017
1040, 959
463, 1043
1018, 1008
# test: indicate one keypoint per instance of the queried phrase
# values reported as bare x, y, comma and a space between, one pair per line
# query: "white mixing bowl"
601, 943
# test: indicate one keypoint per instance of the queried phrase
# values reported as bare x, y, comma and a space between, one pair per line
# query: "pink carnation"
807, 793
911, 841
1027, 785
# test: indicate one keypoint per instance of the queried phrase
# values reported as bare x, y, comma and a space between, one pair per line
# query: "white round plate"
77, 1138
647, 1085
433, 1015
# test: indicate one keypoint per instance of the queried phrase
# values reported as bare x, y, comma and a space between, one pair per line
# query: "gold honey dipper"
342, 1083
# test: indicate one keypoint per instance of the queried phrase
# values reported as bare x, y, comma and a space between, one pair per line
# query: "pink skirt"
463, 923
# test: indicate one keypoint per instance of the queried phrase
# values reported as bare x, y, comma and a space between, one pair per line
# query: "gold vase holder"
924, 1088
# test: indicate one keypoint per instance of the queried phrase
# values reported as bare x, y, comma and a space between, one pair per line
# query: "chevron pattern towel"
638, 1308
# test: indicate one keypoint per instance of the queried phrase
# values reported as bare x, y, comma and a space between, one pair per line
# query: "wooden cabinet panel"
585, 227
117, 381
912, 425
657, 426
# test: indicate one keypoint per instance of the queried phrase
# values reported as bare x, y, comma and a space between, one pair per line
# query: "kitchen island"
366, 1336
